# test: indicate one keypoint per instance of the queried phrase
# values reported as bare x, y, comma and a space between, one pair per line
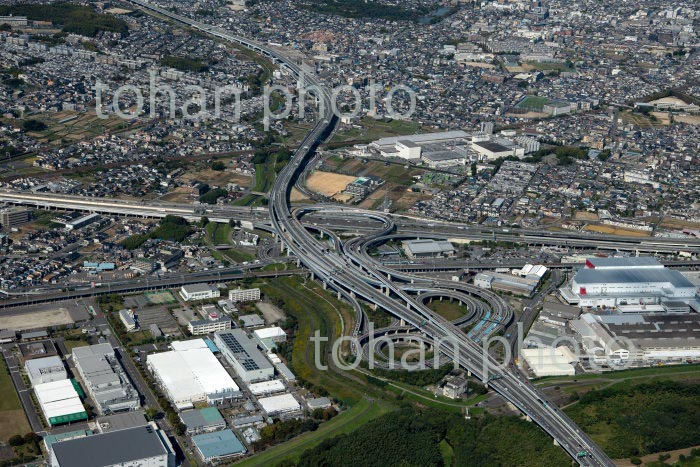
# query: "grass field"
12, 418
71, 344
687, 371
219, 234
82, 126
368, 129
448, 310
347, 422
533, 103
233, 254
160, 298
393, 173
315, 309
264, 176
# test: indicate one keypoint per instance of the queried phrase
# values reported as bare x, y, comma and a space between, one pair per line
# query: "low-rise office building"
207, 326
244, 295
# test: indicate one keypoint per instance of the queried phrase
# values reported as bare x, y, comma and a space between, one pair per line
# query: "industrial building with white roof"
620, 282
191, 373
60, 402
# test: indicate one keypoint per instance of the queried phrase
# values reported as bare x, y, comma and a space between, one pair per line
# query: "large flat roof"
587, 276
188, 374
422, 138
281, 403
111, 448
218, 444
243, 349
428, 246
615, 263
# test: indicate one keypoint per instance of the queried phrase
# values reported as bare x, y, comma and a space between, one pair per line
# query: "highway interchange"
347, 267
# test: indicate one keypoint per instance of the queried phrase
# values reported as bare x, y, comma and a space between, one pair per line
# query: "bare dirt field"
480, 65
529, 115
679, 224
271, 313
689, 119
586, 216
36, 319
327, 183
612, 230
297, 195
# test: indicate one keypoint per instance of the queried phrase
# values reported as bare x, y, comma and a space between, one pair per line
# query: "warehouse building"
268, 338
411, 146
60, 402
194, 292
105, 379
266, 388
191, 373
630, 284
144, 446
213, 447
281, 405
243, 355
203, 420
491, 150
599, 344
548, 361
45, 370
507, 283
244, 295
75, 224
645, 339
428, 248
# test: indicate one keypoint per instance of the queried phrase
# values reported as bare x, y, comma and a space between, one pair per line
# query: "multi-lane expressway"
408, 227
353, 275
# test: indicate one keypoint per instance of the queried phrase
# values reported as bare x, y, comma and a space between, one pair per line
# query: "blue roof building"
218, 445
